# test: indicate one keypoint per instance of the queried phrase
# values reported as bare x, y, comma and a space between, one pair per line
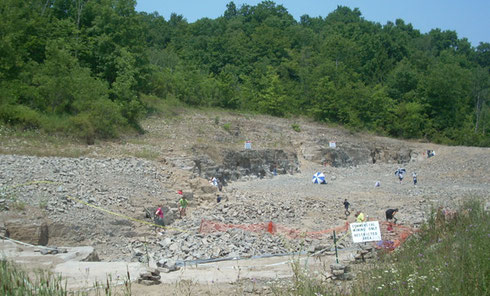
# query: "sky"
470, 19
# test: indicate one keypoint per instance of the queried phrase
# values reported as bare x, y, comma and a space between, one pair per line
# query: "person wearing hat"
360, 217
182, 206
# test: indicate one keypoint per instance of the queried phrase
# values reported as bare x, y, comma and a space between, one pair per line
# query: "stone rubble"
47, 187
150, 277
341, 272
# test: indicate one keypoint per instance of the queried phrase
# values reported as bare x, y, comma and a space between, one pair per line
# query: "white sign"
332, 144
248, 145
365, 232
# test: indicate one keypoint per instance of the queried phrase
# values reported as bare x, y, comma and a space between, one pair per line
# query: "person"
377, 184
414, 175
220, 186
159, 218
400, 176
360, 217
390, 215
346, 206
218, 198
182, 206
214, 181
159, 214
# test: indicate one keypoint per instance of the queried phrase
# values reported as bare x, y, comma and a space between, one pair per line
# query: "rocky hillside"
87, 200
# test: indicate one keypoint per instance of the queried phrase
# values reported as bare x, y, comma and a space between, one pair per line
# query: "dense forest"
95, 68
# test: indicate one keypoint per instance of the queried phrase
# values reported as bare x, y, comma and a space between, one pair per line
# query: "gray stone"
149, 276
45, 251
148, 282
168, 264
337, 266
165, 242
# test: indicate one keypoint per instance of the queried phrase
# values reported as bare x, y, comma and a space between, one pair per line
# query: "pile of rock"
52, 250
341, 272
166, 265
365, 252
150, 277
232, 243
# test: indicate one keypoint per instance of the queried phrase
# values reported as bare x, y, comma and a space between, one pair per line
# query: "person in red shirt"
159, 214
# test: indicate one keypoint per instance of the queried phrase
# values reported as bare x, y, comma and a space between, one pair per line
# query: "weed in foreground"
449, 256
15, 281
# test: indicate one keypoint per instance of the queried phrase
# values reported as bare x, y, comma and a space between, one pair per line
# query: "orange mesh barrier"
394, 235
271, 227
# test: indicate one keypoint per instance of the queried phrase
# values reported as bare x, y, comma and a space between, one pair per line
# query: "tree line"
93, 69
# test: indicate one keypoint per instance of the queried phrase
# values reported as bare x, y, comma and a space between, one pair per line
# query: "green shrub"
133, 111
102, 120
227, 127
296, 127
83, 127
43, 203
20, 115
168, 107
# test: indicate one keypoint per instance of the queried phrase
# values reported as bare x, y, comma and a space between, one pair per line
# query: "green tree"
446, 91
272, 99
481, 98
411, 121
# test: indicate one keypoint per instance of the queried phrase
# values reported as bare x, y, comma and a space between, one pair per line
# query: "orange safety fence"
270, 227
394, 234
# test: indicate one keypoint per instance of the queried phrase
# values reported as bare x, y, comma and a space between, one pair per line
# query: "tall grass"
15, 281
449, 256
